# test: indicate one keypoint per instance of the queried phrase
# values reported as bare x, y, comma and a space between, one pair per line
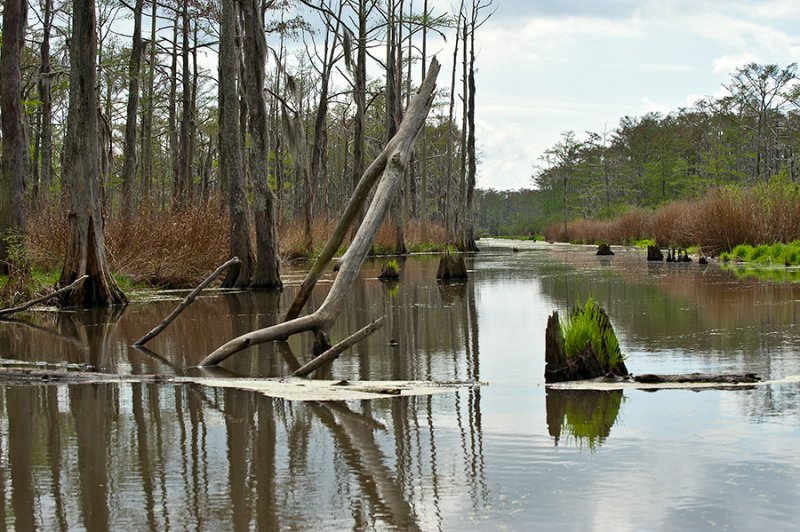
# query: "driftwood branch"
333, 353
185, 303
74, 284
320, 322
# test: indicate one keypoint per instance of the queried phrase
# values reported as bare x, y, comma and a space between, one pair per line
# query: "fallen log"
333, 353
320, 321
25, 306
724, 378
185, 303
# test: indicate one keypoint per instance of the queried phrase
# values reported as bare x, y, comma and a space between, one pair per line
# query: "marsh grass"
777, 254
178, 249
716, 222
585, 324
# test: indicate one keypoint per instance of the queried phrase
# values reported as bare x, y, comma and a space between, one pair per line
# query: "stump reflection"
583, 416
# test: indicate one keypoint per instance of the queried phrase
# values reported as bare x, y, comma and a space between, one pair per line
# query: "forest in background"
748, 138
254, 157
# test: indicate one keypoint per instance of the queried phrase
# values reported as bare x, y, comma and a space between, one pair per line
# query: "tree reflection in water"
162, 456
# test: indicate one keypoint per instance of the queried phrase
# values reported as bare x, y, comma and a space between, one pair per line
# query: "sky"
548, 66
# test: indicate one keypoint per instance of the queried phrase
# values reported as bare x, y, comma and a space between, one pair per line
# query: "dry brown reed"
179, 248
718, 221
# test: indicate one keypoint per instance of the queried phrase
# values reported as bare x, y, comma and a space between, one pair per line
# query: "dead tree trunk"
12, 217
129, 154
86, 246
266, 274
397, 154
230, 149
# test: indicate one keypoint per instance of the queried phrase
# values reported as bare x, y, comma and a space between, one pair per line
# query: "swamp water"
507, 455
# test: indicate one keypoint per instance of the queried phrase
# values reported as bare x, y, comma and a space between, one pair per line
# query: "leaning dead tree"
393, 161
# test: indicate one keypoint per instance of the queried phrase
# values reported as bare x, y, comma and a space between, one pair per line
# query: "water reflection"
157, 457
164, 456
582, 417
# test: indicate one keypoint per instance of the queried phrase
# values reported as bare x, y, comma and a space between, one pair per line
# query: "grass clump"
589, 324
391, 270
774, 254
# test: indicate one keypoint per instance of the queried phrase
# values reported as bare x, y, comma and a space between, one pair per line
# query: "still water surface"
509, 455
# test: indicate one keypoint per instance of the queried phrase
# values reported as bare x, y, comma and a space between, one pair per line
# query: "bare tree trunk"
173, 111
193, 119
266, 273
45, 143
183, 190
230, 148
423, 197
396, 156
360, 99
147, 120
12, 217
86, 247
469, 207
452, 225
462, 188
128, 200
393, 102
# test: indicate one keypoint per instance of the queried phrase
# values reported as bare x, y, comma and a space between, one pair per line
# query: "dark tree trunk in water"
267, 268
230, 149
85, 247
12, 218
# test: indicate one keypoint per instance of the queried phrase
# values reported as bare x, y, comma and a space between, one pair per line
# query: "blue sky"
545, 67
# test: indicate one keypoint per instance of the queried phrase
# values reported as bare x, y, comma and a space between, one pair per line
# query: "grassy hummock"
588, 324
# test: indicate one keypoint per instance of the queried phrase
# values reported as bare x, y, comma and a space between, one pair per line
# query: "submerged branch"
333, 353
73, 285
185, 303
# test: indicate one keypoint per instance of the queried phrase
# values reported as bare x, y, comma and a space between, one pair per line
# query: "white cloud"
729, 63
649, 106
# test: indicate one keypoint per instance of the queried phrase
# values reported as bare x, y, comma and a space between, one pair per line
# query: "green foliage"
584, 325
392, 267
775, 254
644, 243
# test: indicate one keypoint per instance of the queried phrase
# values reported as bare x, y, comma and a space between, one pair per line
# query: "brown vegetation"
716, 222
180, 248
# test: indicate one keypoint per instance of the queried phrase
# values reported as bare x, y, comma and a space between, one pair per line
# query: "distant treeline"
742, 139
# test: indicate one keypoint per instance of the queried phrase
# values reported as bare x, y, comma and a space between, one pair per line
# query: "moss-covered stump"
390, 271
583, 347
654, 254
452, 268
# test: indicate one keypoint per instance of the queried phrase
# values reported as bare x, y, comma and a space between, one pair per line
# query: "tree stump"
604, 250
452, 268
587, 364
390, 272
654, 253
